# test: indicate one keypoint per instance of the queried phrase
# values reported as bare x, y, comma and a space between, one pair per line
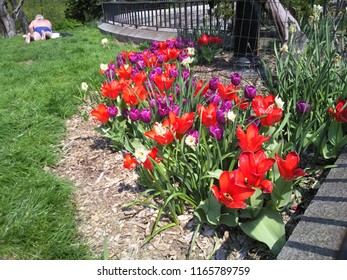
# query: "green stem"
192, 244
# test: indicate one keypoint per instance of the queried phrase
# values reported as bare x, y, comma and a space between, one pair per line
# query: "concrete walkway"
139, 35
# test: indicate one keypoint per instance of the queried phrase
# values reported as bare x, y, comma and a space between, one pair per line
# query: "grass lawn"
39, 84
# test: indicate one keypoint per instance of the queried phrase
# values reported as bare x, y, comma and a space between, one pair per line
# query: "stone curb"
320, 232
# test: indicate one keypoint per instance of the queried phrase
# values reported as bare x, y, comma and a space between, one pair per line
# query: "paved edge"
131, 34
320, 232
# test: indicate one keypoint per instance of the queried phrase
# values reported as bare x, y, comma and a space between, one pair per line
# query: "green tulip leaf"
209, 211
267, 228
254, 205
214, 174
229, 217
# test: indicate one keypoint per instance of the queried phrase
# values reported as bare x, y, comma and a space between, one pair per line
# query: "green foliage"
224, 9
38, 92
53, 10
301, 8
83, 10
314, 72
268, 227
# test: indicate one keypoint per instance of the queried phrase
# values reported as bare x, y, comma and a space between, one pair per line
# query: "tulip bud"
134, 114
235, 79
303, 107
112, 110
250, 92
146, 115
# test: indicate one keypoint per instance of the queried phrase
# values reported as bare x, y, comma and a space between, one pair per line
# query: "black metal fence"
243, 23
166, 14
186, 17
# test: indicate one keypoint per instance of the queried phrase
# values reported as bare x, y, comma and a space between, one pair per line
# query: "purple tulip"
153, 103
170, 44
163, 109
227, 105
221, 116
158, 70
134, 71
154, 46
235, 79
120, 60
110, 73
209, 96
179, 44
194, 133
250, 92
125, 112
140, 64
252, 119
134, 114
185, 74
215, 99
146, 115
112, 110
216, 131
176, 109
303, 107
133, 58
173, 72
178, 89
214, 82
182, 56
191, 44
160, 58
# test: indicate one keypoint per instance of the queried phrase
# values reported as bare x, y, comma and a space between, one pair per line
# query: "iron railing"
165, 14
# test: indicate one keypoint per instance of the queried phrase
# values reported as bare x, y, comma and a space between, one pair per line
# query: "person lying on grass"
39, 29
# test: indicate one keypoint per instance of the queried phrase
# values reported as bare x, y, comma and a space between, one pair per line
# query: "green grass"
39, 85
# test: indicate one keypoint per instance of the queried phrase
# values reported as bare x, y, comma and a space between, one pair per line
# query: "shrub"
83, 10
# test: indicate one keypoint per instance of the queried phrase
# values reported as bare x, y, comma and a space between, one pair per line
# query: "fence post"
246, 29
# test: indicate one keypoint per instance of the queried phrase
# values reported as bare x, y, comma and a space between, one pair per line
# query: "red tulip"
208, 115
124, 72
129, 162
230, 192
253, 167
183, 124
203, 40
172, 53
163, 81
199, 88
152, 154
101, 113
288, 167
139, 78
228, 92
161, 133
251, 140
112, 89
133, 96
340, 112
264, 107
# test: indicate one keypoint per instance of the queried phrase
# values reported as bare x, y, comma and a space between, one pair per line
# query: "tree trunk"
7, 21
18, 13
282, 19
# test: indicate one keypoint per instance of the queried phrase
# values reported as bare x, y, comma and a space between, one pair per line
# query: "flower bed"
227, 151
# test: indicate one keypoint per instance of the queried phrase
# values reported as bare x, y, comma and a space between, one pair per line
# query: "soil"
109, 226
